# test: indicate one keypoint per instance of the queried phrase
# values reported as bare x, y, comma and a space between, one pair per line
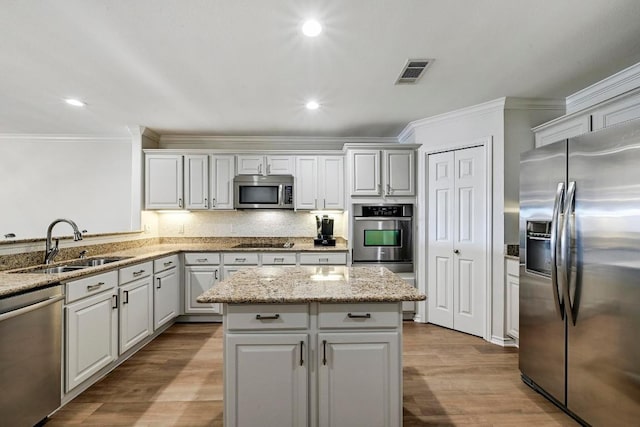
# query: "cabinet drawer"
201, 258
165, 263
240, 258
513, 267
267, 316
359, 315
138, 271
278, 259
335, 258
91, 285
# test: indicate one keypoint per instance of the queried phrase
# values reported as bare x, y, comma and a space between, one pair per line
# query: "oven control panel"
384, 210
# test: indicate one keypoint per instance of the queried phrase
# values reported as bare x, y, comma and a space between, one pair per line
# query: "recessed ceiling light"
312, 105
311, 28
75, 102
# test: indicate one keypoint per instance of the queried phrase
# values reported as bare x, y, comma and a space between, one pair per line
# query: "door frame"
422, 314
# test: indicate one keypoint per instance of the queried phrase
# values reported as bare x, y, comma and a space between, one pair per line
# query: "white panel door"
331, 182
136, 313
365, 173
250, 164
440, 232
270, 380
222, 173
358, 380
280, 165
457, 240
197, 280
196, 181
166, 301
399, 173
163, 181
306, 182
469, 241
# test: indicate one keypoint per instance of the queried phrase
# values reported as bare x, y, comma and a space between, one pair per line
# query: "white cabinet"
222, 173
560, 129
323, 258
163, 181
358, 379
259, 164
196, 181
136, 312
166, 296
513, 297
386, 173
201, 273
320, 182
271, 369
617, 112
91, 336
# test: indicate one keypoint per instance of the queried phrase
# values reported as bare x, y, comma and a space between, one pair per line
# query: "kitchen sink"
71, 266
264, 245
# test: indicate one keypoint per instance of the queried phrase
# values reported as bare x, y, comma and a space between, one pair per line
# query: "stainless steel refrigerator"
580, 274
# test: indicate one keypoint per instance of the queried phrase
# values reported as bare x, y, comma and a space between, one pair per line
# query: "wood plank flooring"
450, 378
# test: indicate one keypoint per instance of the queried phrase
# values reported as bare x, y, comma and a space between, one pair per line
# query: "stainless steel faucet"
51, 252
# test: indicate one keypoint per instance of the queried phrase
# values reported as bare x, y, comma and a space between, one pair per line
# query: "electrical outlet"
147, 228
181, 229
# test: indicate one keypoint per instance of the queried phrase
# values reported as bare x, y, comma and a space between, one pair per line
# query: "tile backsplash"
247, 223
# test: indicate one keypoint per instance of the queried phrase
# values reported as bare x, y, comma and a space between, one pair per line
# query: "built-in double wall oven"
382, 235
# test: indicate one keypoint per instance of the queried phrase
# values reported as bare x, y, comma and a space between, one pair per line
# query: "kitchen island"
318, 346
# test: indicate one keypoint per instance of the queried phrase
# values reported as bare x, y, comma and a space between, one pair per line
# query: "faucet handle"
83, 254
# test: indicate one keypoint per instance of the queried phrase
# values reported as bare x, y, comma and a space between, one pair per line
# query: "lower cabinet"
136, 312
272, 369
354, 379
166, 297
358, 382
197, 280
513, 298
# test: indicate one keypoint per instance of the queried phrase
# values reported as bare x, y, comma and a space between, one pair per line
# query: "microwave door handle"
280, 194
553, 246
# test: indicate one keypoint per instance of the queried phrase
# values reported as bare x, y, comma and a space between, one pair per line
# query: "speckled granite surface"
312, 284
15, 283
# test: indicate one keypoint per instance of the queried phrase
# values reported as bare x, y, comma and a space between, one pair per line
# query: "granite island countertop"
12, 283
273, 285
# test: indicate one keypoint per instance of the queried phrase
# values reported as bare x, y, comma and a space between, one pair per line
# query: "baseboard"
503, 342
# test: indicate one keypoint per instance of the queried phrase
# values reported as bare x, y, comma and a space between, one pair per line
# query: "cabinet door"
399, 168
197, 280
331, 182
513, 305
617, 112
567, 128
280, 165
250, 165
365, 173
163, 181
222, 173
196, 181
136, 313
91, 338
359, 379
306, 182
166, 300
266, 381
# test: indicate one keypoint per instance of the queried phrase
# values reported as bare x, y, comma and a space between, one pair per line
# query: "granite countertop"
311, 284
16, 283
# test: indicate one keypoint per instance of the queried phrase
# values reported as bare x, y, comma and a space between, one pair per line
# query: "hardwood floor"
450, 378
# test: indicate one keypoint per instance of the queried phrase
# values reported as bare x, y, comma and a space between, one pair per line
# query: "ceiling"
243, 67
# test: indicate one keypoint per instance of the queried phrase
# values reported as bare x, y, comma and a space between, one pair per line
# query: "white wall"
88, 180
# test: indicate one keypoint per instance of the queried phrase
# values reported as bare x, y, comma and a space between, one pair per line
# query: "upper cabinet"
163, 181
319, 182
382, 173
222, 173
265, 165
196, 181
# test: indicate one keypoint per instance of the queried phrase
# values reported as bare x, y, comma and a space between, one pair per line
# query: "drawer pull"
241, 259
159, 279
324, 352
137, 273
278, 260
301, 353
94, 287
274, 317
359, 316
202, 259
215, 274
168, 263
323, 259
114, 301
125, 297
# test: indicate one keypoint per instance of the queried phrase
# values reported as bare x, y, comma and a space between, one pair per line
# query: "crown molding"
614, 85
265, 142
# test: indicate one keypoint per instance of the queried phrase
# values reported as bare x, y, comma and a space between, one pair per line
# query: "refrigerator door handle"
565, 250
553, 242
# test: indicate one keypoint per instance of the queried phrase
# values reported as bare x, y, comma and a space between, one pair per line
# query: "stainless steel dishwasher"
30, 356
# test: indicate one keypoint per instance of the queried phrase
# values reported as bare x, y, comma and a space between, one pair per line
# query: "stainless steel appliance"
580, 274
30, 356
382, 234
325, 231
263, 192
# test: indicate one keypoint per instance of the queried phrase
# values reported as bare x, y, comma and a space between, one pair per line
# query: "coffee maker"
325, 231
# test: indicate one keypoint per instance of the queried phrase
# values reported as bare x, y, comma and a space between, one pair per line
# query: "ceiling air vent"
413, 70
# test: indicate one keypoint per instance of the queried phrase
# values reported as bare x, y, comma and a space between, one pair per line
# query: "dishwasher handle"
32, 307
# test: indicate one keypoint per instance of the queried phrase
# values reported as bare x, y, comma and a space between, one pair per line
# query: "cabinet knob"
455, 251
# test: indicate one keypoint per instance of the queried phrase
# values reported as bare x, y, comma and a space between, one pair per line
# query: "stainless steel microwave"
263, 192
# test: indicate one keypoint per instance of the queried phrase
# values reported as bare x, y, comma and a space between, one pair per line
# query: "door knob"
455, 251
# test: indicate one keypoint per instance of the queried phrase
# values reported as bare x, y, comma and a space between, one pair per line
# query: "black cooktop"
263, 245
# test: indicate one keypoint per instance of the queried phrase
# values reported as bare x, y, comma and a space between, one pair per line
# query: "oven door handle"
382, 218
